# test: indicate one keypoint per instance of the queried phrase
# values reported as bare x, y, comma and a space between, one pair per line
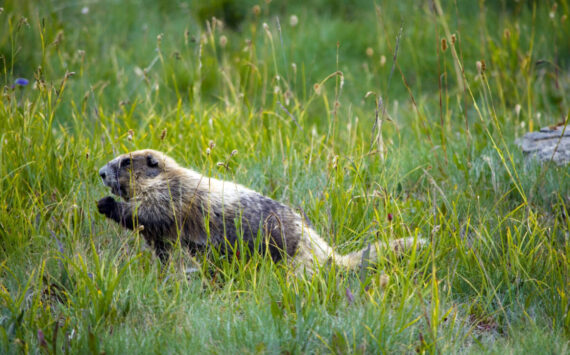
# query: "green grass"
293, 101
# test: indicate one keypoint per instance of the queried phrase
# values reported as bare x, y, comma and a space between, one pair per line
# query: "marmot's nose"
102, 173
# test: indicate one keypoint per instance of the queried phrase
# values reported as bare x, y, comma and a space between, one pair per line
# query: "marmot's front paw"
106, 205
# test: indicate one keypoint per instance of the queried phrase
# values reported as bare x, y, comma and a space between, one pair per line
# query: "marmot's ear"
151, 161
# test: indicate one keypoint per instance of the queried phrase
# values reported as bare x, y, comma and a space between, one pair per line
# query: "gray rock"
549, 144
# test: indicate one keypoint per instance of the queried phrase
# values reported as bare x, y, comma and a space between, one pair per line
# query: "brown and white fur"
172, 203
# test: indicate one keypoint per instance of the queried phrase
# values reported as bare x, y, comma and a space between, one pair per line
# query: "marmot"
171, 203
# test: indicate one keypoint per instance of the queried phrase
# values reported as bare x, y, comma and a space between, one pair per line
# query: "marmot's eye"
125, 162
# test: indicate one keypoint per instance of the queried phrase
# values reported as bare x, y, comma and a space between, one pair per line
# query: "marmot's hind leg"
312, 251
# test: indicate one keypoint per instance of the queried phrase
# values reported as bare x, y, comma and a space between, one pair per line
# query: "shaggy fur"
172, 202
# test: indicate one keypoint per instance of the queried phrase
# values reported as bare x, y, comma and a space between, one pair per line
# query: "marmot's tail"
398, 246
313, 251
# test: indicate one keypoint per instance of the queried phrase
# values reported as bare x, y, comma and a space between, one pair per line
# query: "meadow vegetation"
379, 120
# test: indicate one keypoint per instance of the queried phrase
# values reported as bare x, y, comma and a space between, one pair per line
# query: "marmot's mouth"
118, 190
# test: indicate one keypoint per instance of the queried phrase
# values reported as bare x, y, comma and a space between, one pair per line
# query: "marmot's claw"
106, 205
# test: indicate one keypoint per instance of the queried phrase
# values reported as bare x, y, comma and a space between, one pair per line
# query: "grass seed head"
481, 67
267, 31
223, 41
518, 109
384, 279
256, 10
58, 38
369, 52
218, 23
453, 39
443, 44
24, 22
382, 60
288, 97
552, 12
334, 162
293, 20
317, 88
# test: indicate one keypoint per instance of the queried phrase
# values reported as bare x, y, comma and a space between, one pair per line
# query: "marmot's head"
130, 171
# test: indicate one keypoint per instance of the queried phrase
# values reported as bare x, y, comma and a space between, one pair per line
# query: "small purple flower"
41, 338
349, 295
21, 81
